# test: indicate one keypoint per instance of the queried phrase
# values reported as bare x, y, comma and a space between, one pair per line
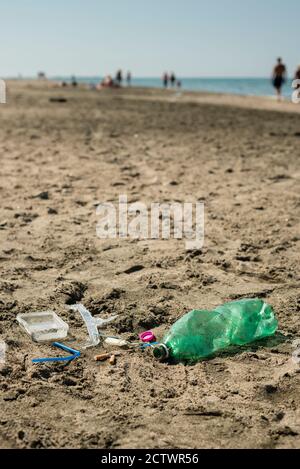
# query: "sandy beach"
241, 157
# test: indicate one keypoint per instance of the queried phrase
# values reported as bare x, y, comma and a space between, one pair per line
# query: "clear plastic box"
43, 326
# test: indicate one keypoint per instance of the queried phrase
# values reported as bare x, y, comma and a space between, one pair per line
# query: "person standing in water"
165, 80
279, 77
128, 78
74, 81
173, 79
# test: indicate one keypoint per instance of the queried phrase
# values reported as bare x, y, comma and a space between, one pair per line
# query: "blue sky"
192, 37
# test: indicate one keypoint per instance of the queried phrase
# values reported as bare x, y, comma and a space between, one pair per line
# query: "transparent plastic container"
43, 326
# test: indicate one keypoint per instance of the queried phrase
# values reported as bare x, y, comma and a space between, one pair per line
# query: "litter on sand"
199, 334
43, 326
113, 360
74, 354
147, 336
105, 356
92, 324
116, 342
195, 336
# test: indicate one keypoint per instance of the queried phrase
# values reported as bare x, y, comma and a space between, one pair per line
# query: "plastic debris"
2, 352
148, 344
199, 334
43, 326
147, 336
74, 354
115, 342
92, 324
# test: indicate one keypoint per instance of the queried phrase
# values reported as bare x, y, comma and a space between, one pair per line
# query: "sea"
239, 86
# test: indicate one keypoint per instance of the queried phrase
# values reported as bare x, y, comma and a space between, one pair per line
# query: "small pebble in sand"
42, 195
52, 211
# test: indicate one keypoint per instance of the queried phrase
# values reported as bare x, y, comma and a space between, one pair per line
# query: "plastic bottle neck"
161, 352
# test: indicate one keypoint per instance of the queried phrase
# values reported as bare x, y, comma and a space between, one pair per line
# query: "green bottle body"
199, 334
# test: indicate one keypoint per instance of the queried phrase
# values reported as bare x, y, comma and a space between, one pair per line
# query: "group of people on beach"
117, 82
170, 80
279, 77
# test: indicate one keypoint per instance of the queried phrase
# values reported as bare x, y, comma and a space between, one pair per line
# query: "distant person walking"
173, 79
74, 81
128, 78
119, 77
279, 77
165, 80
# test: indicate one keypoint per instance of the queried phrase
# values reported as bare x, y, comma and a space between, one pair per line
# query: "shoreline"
265, 103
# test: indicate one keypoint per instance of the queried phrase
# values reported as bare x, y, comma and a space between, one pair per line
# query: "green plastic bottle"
199, 334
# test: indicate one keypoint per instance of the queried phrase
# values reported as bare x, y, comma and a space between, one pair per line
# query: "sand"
58, 160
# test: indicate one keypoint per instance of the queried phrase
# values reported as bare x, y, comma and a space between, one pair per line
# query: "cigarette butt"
112, 360
105, 356
102, 357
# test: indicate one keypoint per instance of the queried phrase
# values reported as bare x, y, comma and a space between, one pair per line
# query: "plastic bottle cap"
147, 336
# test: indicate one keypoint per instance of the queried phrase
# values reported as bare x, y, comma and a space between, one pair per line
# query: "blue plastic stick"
148, 344
74, 354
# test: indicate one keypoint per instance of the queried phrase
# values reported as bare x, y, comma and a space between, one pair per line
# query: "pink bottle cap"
147, 336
